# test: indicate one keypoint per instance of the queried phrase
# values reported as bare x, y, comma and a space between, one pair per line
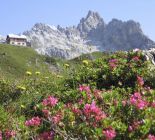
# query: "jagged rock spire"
92, 21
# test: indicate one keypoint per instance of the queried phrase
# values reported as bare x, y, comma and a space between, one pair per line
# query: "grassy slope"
15, 60
91, 56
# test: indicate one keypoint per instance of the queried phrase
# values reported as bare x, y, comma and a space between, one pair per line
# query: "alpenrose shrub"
96, 114
119, 69
107, 99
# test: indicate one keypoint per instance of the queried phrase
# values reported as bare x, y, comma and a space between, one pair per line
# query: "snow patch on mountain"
53, 27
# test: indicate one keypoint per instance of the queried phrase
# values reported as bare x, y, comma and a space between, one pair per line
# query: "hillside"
96, 94
16, 60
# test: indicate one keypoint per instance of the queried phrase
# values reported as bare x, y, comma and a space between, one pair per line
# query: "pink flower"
134, 125
91, 110
140, 81
141, 104
153, 104
10, 134
97, 94
137, 101
76, 111
151, 137
147, 88
135, 97
124, 102
84, 88
50, 101
46, 112
46, 136
35, 121
56, 119
113, 63
68, 105
136, 50
130, 128
100, 117
135, 58
80, 101
109, 134
1, 138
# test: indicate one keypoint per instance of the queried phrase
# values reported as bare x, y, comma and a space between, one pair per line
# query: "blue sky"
20, 15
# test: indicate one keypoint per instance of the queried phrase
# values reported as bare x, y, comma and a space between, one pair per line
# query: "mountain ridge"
90, 35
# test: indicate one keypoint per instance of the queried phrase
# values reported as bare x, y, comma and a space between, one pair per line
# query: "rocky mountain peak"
129, 25
133, 26
91, 34
115, 22
94, 15
43, 27
39, 26
92, 21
